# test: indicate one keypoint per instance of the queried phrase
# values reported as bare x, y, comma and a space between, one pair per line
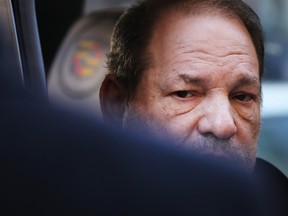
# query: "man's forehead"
174, 25
180, 41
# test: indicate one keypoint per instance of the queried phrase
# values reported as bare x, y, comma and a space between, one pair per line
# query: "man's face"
203, 87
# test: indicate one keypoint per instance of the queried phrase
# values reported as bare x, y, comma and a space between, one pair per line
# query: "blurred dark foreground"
55, 162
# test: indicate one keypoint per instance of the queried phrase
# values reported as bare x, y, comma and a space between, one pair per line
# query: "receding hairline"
196, 8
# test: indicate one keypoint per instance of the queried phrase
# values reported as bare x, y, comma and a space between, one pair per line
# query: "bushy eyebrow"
188, 79
243, 81
247, 81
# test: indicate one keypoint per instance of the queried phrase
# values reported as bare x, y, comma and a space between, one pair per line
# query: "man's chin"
247, 162
226, 150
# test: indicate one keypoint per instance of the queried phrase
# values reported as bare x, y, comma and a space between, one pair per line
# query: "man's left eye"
244, 97
183, 94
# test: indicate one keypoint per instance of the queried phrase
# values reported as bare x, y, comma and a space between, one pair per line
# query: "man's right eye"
183, 94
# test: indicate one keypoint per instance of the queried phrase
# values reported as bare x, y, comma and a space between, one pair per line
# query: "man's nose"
218, 119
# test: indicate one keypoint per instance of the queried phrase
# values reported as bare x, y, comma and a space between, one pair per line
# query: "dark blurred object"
55, 163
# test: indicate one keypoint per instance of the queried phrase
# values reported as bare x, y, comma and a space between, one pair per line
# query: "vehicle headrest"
79, 67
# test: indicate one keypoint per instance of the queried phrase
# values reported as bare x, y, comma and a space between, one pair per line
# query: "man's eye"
183, 94
244, 97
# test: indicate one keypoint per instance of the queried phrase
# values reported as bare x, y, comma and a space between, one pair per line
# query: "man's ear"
113, 100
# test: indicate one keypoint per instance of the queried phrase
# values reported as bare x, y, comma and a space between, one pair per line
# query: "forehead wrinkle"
192, 53
201, 45
201, 53
194, 66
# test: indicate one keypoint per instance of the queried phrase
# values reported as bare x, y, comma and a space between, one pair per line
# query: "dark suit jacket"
272, 188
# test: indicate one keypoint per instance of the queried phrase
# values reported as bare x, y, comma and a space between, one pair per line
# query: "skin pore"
203, 87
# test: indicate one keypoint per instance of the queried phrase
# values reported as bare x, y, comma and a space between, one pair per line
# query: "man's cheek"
248, 129
180, 126
248, 114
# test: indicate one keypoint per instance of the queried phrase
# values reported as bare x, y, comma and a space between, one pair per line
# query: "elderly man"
190, 70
